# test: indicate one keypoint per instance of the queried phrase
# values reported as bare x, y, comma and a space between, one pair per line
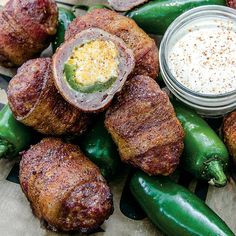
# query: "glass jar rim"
186, 17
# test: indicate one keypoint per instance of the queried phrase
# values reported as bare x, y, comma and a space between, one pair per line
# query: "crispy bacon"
65, 188
35, 101
26, 29
229, 131
144, 126
231, 3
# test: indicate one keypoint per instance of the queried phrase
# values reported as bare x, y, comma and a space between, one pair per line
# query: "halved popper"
91, 68
143, 46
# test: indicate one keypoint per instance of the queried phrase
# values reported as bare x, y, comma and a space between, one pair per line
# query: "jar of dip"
198, 59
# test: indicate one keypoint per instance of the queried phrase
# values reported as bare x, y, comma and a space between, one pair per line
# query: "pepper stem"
3, 150
215, 170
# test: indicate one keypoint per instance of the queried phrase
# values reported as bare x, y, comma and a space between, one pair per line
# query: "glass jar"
205, 104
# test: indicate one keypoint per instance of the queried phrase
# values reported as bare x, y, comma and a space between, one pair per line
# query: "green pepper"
174, 209
69, 71
205, 155
65, 17
99, 147
14, 136
156, 15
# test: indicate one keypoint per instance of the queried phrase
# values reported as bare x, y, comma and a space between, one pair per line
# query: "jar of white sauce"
198, 59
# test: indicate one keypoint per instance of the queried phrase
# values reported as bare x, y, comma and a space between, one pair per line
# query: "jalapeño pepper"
174, 209
70, 74
14, 137
65, 17
156, 15
205, 155
99, 147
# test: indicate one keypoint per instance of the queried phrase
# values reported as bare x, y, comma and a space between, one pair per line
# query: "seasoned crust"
26, 29
229, 131
35, 101
91, 200
231, 3
15, 45
25, 88
144, 126
62, 186
144, 48
38, 18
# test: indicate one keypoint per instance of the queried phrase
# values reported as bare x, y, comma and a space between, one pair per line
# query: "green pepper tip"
215, 170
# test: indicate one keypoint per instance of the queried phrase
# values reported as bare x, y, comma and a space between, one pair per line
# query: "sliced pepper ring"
94, 101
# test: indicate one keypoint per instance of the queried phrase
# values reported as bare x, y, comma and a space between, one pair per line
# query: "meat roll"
231, 3
229, 131
35, 101
144, 126
121, 5
65, 189
144, 48
26, 29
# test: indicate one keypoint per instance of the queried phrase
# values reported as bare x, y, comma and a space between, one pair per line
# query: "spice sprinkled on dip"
204, 58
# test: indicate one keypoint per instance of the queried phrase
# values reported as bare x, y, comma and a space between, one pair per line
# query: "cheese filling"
95, 62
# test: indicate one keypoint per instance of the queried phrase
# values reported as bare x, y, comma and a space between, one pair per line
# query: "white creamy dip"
204, 58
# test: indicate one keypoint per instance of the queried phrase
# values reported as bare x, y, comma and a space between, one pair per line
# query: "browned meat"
64, 187
145, 49
231, 3
144, 126
229, 131
35, 101
121, 5
26, 29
